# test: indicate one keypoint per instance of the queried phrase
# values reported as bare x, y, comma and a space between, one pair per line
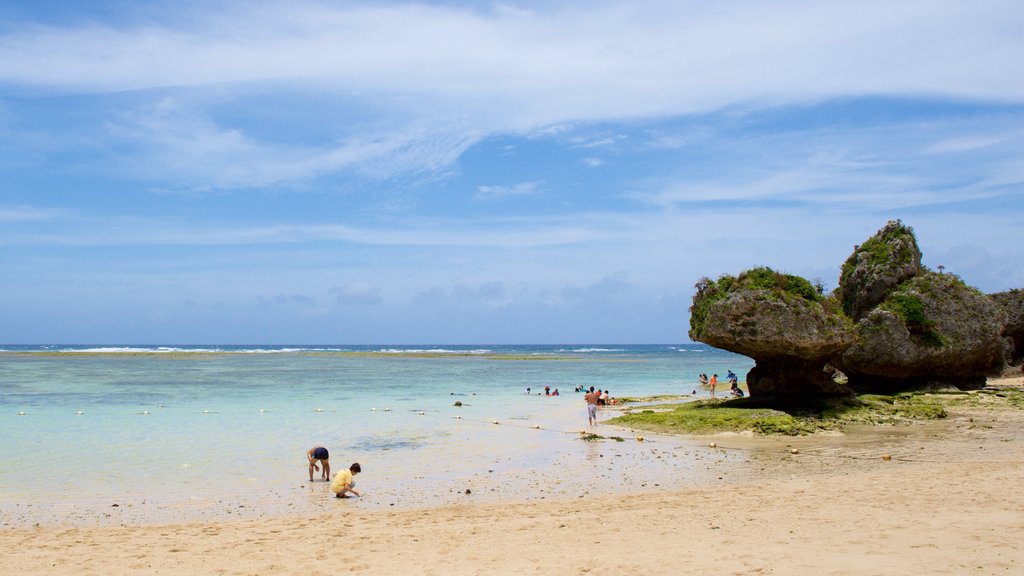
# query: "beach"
936, 498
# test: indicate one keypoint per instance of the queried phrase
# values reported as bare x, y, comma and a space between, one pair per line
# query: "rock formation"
891, 325
780, 321
876, 267
932, 329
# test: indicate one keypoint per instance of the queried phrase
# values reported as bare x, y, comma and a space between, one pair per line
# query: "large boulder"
878, 266
783, 323
892, 325
1011, 303
932, 329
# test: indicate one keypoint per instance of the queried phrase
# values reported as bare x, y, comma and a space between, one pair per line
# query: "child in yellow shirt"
343, 482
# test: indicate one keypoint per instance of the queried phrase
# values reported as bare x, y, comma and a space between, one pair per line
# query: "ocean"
108, 434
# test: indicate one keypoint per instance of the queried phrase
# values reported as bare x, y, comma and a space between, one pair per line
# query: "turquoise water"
180, 431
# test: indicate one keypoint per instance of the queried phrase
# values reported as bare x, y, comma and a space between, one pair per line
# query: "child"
343, 481
318, 454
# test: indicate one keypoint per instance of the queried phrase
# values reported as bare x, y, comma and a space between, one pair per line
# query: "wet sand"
945, 501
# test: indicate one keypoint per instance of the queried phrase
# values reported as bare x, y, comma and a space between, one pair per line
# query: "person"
713, 382
730, 376
735, 389
702, 379
591, 398
606, 399
527, 391
547, 390
555, 393
343, 482
318, 454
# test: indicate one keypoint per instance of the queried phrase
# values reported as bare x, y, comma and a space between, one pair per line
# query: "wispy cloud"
452, 169
175, 143
895, 166
452, 75
357, 293
11, 214
520, 189
686, 49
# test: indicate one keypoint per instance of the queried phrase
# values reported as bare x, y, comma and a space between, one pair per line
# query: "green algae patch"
706, 417
649, 399
591, 437
995, 398
712, 417
880, 409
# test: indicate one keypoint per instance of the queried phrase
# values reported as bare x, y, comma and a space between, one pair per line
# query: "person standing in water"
591, 398
713, 382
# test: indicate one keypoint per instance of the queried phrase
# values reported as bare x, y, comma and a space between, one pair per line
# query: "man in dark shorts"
318, 454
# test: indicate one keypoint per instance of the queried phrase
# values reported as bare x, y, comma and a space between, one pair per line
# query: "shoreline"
909, 521
943, 503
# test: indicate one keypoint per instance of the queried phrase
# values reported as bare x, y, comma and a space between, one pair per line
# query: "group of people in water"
712, 383
342, 483
547, 392
602, 397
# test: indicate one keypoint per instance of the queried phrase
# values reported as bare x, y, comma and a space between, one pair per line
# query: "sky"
484, 172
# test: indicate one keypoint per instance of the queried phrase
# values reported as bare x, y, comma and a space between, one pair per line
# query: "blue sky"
484, 172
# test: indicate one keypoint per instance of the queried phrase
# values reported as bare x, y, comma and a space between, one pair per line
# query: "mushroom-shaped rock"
783, 323
931, 329
877, 266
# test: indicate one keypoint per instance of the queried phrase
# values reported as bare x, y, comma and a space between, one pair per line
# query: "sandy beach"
937, 498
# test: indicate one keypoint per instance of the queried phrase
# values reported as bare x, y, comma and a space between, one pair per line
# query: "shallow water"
170, 434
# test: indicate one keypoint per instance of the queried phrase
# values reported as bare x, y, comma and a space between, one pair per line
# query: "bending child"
318, 454
344, 483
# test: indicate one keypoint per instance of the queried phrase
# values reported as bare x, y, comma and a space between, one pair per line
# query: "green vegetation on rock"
893, 244
892, 251
910, 309
775, 284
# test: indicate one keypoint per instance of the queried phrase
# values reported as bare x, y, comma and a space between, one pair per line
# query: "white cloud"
188, 149
520, 189
487, 294
648, 53
357, 293
447, 76
12, 214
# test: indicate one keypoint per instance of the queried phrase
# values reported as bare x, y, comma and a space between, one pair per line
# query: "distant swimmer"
318, 454
343, 482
